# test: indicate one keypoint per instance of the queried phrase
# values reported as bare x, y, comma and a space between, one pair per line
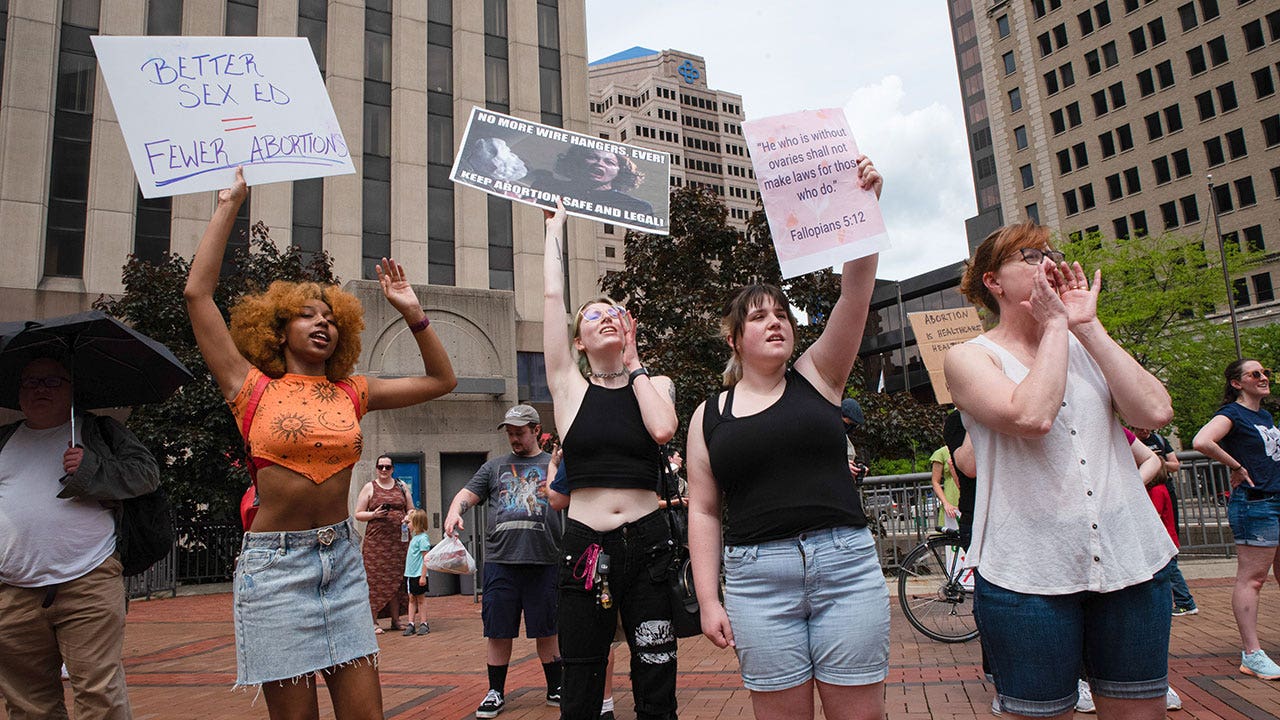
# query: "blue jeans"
1178, 584
1254, 522
1036, 643
812, 606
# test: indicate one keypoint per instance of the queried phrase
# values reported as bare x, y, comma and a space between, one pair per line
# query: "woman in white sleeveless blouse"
1067, 545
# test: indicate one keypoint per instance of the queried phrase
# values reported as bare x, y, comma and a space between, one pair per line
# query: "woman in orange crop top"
301, 600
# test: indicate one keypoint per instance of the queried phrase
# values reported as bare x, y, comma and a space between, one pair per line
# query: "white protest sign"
806, 164
192, 109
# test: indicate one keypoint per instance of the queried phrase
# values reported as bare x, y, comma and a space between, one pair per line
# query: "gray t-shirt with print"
520, 527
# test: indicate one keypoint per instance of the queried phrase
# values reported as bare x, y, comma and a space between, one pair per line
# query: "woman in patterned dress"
383, 504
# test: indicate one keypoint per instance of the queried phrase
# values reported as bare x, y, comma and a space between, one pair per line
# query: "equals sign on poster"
238, 123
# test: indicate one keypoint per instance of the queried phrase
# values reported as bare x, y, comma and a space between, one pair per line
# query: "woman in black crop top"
617, 547
805, 601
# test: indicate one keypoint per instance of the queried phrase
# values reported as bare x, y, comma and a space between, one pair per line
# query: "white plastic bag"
451, 556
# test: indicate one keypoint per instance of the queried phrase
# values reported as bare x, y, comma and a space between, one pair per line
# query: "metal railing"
902, 510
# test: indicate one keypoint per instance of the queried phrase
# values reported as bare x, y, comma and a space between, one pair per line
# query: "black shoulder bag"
685, 618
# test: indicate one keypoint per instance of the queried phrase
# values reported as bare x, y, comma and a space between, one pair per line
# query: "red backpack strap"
251, 409
351, 392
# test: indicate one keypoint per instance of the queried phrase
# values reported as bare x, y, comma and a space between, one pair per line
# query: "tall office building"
661, 100
403, 77
1107, 116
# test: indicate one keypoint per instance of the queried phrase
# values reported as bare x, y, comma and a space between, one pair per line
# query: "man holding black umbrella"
62, 597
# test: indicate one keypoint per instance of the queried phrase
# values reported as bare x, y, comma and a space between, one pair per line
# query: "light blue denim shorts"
812, 606
301, 604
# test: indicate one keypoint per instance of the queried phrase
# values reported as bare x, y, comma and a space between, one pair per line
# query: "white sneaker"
1084, 703
1171, 700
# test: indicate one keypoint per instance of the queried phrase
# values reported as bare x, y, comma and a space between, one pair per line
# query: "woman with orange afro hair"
301, 602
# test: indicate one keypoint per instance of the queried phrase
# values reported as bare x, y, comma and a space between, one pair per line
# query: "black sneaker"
606, 715
491, 706
553, 697
408, 630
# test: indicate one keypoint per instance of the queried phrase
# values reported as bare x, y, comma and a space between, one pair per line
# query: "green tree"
193, 434
1156, 294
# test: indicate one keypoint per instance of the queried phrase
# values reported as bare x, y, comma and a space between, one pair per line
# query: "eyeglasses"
595, 315
1257, 374
52, 381
1034, 256
384, 467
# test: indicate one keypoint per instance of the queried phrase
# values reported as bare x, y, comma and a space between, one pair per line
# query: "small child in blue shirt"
415, 572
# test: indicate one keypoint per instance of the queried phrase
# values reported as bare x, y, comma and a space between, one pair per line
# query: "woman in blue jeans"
805, 603
1065, 543
1243, 436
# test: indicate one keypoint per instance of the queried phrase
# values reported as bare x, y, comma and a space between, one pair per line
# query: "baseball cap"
850, 410
519, 416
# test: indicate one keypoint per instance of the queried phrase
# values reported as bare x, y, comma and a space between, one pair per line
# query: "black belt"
1255, 494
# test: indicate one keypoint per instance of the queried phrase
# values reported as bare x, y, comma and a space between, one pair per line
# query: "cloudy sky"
890, 65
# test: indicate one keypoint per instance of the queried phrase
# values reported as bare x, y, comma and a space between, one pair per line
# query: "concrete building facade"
403, 77
1108, 116
661, 100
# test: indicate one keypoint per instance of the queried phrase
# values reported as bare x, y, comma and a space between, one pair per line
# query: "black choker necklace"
608, 376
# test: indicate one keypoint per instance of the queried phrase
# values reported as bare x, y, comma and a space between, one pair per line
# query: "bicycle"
935, 592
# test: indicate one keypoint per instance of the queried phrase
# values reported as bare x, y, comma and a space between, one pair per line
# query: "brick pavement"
180, 659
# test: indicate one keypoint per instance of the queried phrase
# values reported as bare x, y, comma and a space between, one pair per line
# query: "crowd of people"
1076, 578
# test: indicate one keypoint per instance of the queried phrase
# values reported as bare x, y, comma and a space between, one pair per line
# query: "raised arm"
1139, 397
562, 372
437, 378
225, 362
828, 361
705, 541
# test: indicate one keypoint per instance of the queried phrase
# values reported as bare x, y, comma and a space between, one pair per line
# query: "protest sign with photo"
806, 165
534, 164
192, 109
936, 331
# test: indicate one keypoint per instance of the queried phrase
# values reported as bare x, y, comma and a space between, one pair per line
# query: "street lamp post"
1226, 277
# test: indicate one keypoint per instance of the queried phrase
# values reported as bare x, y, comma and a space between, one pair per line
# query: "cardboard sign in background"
936, 331
534, 164
192, 109
806, 166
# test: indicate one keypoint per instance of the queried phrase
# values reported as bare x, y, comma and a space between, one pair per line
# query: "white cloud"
928, 186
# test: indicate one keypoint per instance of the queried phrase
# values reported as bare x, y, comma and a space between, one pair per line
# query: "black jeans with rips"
640, 555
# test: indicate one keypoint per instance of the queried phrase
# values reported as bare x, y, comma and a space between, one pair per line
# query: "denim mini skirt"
301, 604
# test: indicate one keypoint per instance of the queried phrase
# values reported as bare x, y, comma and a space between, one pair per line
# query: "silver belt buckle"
325, 536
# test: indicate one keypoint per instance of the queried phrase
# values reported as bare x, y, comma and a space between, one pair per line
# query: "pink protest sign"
806, 165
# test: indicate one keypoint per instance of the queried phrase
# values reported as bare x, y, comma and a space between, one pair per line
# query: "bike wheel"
935, 593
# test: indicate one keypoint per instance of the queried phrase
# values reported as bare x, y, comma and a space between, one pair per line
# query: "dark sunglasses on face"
1034, 256
1257, 374
52, 381
594, 315
384, 467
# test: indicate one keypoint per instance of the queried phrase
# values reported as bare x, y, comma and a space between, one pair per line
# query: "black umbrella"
112, 364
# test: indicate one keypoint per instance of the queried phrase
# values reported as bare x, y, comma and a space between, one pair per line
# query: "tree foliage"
1157, 293
678, 285
193, 434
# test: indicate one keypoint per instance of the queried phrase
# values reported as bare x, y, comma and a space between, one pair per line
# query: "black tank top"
608, 445
785, 469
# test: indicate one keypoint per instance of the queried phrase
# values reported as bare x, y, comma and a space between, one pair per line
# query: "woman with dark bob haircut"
1242, 435
1069, 554
805, 603
598, 176
301, 603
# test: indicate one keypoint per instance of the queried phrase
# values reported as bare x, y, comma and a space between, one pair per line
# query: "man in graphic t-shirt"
521, 549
